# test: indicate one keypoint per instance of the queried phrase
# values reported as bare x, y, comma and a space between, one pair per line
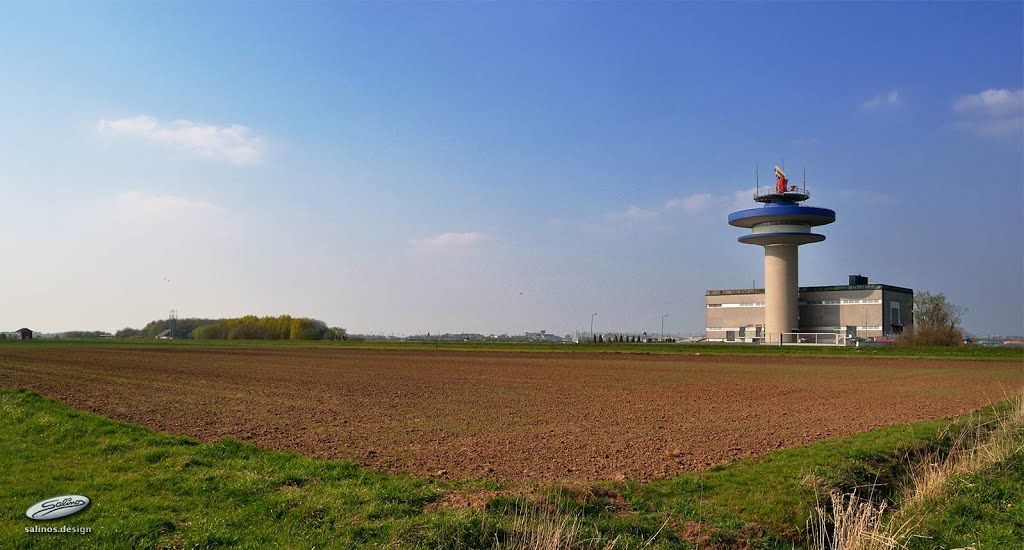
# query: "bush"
936, 322
931, 335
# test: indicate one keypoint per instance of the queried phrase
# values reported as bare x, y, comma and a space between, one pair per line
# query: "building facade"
858, 309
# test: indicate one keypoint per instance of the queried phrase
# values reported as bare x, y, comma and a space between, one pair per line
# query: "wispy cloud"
153, 217
235, 144
880, 101
862, 196
694, 204
698, 203
446, 243
136, 206
992, 113
743, 198
992, 102
691, 204
633, 213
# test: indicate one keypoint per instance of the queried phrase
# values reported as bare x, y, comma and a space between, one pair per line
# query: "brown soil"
508, 416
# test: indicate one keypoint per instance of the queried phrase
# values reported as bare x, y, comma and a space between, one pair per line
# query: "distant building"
542, 336
23, 334
165, 335
858, 309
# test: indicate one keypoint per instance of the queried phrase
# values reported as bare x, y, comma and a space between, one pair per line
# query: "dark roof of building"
24, 330
833, 288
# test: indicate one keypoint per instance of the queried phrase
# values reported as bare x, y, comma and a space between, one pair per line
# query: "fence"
806, 338
784, 338
774, 339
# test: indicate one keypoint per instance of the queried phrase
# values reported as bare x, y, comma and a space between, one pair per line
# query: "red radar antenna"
781, 183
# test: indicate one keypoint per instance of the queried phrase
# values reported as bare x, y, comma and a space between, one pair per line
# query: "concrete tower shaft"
780, 226
781, 288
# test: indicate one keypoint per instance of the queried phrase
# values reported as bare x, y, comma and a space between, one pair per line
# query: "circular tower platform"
781, 223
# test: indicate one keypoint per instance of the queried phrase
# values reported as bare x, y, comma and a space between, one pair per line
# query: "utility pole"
592, 315
663, 327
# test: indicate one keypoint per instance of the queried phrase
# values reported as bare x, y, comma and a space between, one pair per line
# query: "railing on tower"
782, 190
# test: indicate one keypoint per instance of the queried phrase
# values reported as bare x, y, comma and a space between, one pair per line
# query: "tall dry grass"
850, 522
977, 446
855, 523
544, 529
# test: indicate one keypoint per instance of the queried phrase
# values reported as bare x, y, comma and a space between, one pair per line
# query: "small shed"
23, 334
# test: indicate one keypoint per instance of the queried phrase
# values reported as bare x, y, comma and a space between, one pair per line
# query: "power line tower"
173, 321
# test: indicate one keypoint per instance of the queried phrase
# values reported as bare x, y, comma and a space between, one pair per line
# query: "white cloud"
235, 144
992, 102
708, 202
742, 199
692, 204
882, 100
446, 243
992, 113
135, 206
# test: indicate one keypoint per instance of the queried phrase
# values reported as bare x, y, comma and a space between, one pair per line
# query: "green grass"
779, 491
983, 510
970, 353
156, 490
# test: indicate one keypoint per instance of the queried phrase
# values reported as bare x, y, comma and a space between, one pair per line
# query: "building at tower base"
858, 309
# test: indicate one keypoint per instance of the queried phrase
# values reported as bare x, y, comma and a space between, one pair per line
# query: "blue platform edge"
812, 237
824, 215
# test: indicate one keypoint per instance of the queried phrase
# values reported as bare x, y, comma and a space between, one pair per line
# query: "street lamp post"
663, 327
592, 315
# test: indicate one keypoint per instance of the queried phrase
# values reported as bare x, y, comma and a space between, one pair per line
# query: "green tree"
936, 321
335, 334
934, 310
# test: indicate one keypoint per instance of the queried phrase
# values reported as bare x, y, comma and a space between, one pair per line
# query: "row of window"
836, 329
812, 329
842, 302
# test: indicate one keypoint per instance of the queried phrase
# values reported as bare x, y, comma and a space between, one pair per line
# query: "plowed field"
509, 416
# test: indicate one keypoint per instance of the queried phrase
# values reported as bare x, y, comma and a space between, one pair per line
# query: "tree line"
249, 327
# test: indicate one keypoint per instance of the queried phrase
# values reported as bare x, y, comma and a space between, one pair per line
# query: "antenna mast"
174, 322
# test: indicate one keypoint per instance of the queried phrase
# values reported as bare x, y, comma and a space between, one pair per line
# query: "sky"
501, 167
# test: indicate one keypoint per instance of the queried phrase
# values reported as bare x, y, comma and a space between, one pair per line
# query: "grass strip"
958, 353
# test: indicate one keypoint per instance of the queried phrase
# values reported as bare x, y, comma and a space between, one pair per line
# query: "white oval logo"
57, 507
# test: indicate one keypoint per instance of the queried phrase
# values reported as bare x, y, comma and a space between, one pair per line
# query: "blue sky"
496, 167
